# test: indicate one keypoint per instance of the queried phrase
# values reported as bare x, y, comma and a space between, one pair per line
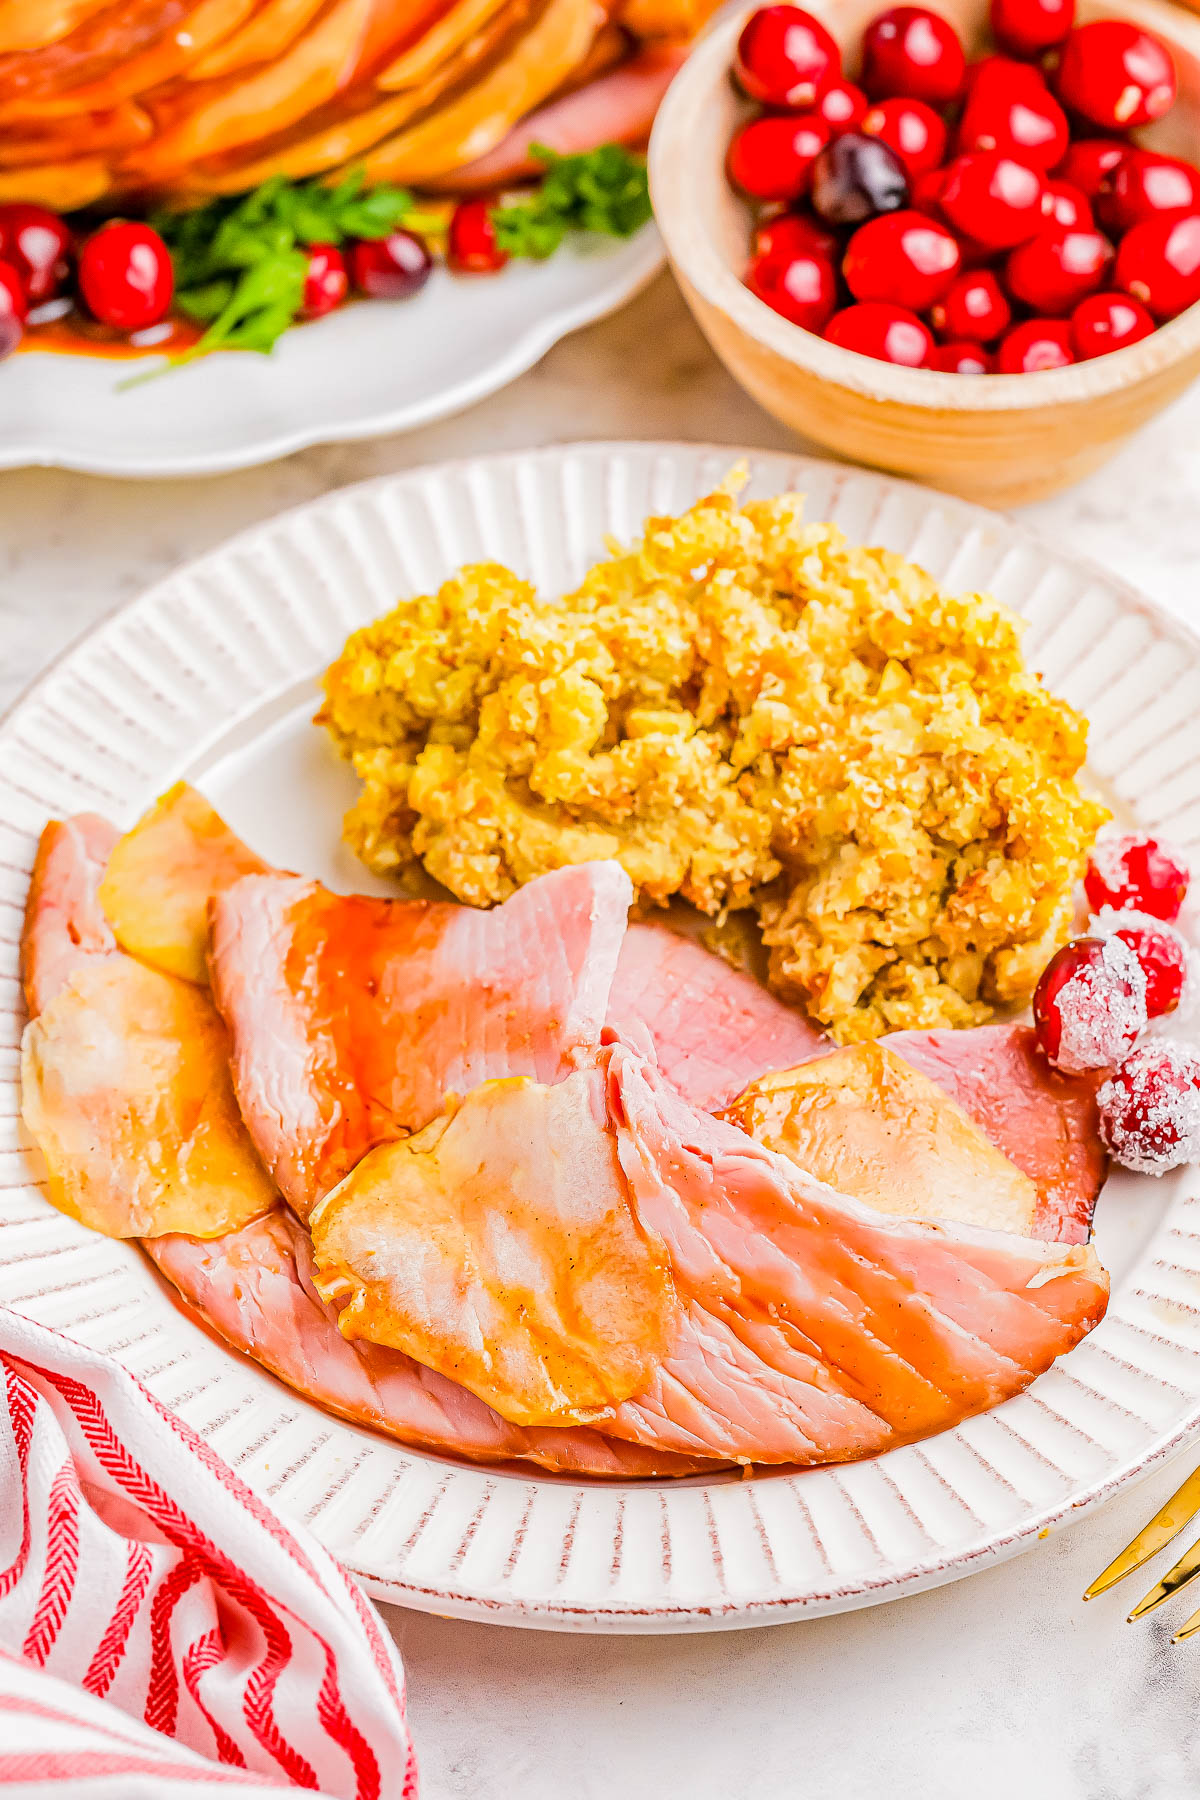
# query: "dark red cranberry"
1115, 75
909, 50
326, 284
1089, 1008
1147, 186
1037, 344
471, 245
390, 268
973, 309
1134, 872
994, 200
1016, 118
1067, 206
856, 177
38, 244
841, 105
1149, 1111
913, 130
1105, 322
14, 306
125, 275
926, 195
1162, 952
961, 359
772, 158
795, 234
904, 258
1091, 163
888, 333
785, 57
800, 287
1027, 27
1057, 269
1158, 262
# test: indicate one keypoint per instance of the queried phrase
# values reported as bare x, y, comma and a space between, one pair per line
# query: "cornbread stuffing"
749, 712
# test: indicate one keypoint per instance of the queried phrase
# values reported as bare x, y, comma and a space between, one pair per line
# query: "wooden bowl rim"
684, 118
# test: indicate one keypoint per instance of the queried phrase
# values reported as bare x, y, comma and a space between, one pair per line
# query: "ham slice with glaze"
64, 921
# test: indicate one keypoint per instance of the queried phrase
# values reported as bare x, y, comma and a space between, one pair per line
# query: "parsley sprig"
600, 190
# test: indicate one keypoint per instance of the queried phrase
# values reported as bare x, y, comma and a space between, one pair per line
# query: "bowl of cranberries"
961, 242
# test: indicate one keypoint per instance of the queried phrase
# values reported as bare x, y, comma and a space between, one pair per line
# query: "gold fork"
1180, 1509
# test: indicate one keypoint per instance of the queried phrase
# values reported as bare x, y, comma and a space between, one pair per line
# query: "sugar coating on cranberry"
1089, 1008
1150, 1108
1130, 870
1165, 955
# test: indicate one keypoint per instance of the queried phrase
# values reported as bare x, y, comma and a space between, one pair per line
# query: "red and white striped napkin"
162, 1630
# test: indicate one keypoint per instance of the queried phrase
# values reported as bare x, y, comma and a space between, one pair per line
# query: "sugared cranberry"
125, 275
794, 234
326, 284
1145, 185
1115, 75
772, 158
14, 305
1106, 322
1057, 269
471, 245
1150, 1109
390, 268
910, 128
1159, 264
799, 286
993, 199
1089, 1008
960, 359
1160, 949
909, 50
1091, 163
974, 308
1131, 871
841, 105
38, 245
1068, 206
888, 333
904, 258
856, 177
1017, 119
1027, 27
785, 57
1036, 345
926, 195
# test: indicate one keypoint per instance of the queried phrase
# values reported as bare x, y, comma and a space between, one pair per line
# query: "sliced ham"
711, 1029
254, 1289
353, 1018
65, 924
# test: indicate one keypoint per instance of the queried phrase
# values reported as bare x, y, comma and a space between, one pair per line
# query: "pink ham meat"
617, 107
64, 921
353, 1018
254, 1288
1044, 1122
710, 1028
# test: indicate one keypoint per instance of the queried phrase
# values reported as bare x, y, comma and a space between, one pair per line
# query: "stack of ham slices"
539, 1183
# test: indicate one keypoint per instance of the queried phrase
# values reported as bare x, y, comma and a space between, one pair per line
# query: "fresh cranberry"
471, 245
1150, 1109
888, 333
841, 105
910, 128
1027, 27
904, 258
1115, 75
1091, 163
125, 275
1017, 118
856, 177
926, 196
1068, 206
960, 359
326, 284
1057, 269
785, 57
973, 308
1008, 74
1159, 264
38, 245
772, 158
1145, 185
1089, 1008
799, 286
992, 199
909, 50
390, 268
1105, 322
14, 305
1037, 344
793, 234
1133, 871
1161, 951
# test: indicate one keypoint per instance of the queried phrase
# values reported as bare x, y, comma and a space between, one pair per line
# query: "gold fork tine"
1183, 1506
1187, 1630
1178, 1576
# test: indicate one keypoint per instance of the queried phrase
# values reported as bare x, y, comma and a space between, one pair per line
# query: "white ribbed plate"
210, 675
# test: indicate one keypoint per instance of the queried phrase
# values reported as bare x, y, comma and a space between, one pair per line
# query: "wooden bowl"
1000, 439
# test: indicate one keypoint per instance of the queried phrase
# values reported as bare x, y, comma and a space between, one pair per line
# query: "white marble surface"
1003, 1687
